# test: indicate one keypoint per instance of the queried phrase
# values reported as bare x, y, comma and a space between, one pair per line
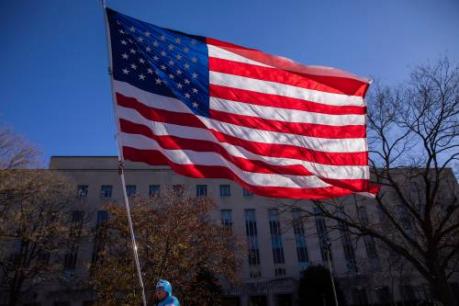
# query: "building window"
77, 216
255, 272
201, 190
370, 245
349, 255
246, 193
76, 225
106, 191
131, 190
102, 216
404, 217
300, 239
322, 233
225, 190
348, 247
70, 259
252, 237
154, 191
227, 221
279, 272
178, 190
82, 191
276, 236
363, 215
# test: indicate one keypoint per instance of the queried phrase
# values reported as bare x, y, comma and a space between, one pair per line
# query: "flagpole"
330, 270
121, 163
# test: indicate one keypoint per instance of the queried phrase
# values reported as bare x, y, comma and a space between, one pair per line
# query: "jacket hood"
165, 285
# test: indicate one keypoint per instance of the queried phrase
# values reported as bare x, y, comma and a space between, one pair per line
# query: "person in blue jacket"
164, 295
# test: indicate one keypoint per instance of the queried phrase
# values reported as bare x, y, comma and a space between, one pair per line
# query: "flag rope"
121, 164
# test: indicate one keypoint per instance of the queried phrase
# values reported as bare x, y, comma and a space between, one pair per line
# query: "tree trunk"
442, 291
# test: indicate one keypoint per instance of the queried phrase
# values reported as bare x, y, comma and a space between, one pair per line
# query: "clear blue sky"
53, 59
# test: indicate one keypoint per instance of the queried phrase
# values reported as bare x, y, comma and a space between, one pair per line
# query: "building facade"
280, 242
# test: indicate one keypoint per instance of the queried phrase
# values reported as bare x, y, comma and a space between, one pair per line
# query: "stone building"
280, 244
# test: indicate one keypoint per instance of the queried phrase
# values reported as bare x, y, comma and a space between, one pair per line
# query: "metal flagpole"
331, 272
121, 163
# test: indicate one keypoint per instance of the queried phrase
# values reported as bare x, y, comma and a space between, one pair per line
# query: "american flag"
212, 109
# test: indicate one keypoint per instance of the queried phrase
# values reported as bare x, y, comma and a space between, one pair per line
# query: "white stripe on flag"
221, 53
189, 157
169, 129
347, 145
282, 114
265, 112
274, 88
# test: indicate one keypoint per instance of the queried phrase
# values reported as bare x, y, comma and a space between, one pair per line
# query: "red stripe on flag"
255, 166
179, 143
159, 115
268, 74
274, 150
305, 129
294, 152
257, 98
154, 157
341, 81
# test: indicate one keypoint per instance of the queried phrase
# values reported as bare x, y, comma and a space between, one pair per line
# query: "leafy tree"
207, 287
177, 241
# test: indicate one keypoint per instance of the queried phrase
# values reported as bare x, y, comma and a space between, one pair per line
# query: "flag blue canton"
160, 61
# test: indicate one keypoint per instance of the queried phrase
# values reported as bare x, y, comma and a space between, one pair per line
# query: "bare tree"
34, 220
414, 142
177, 240
15, 151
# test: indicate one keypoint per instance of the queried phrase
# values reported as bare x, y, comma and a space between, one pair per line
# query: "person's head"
163, 289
